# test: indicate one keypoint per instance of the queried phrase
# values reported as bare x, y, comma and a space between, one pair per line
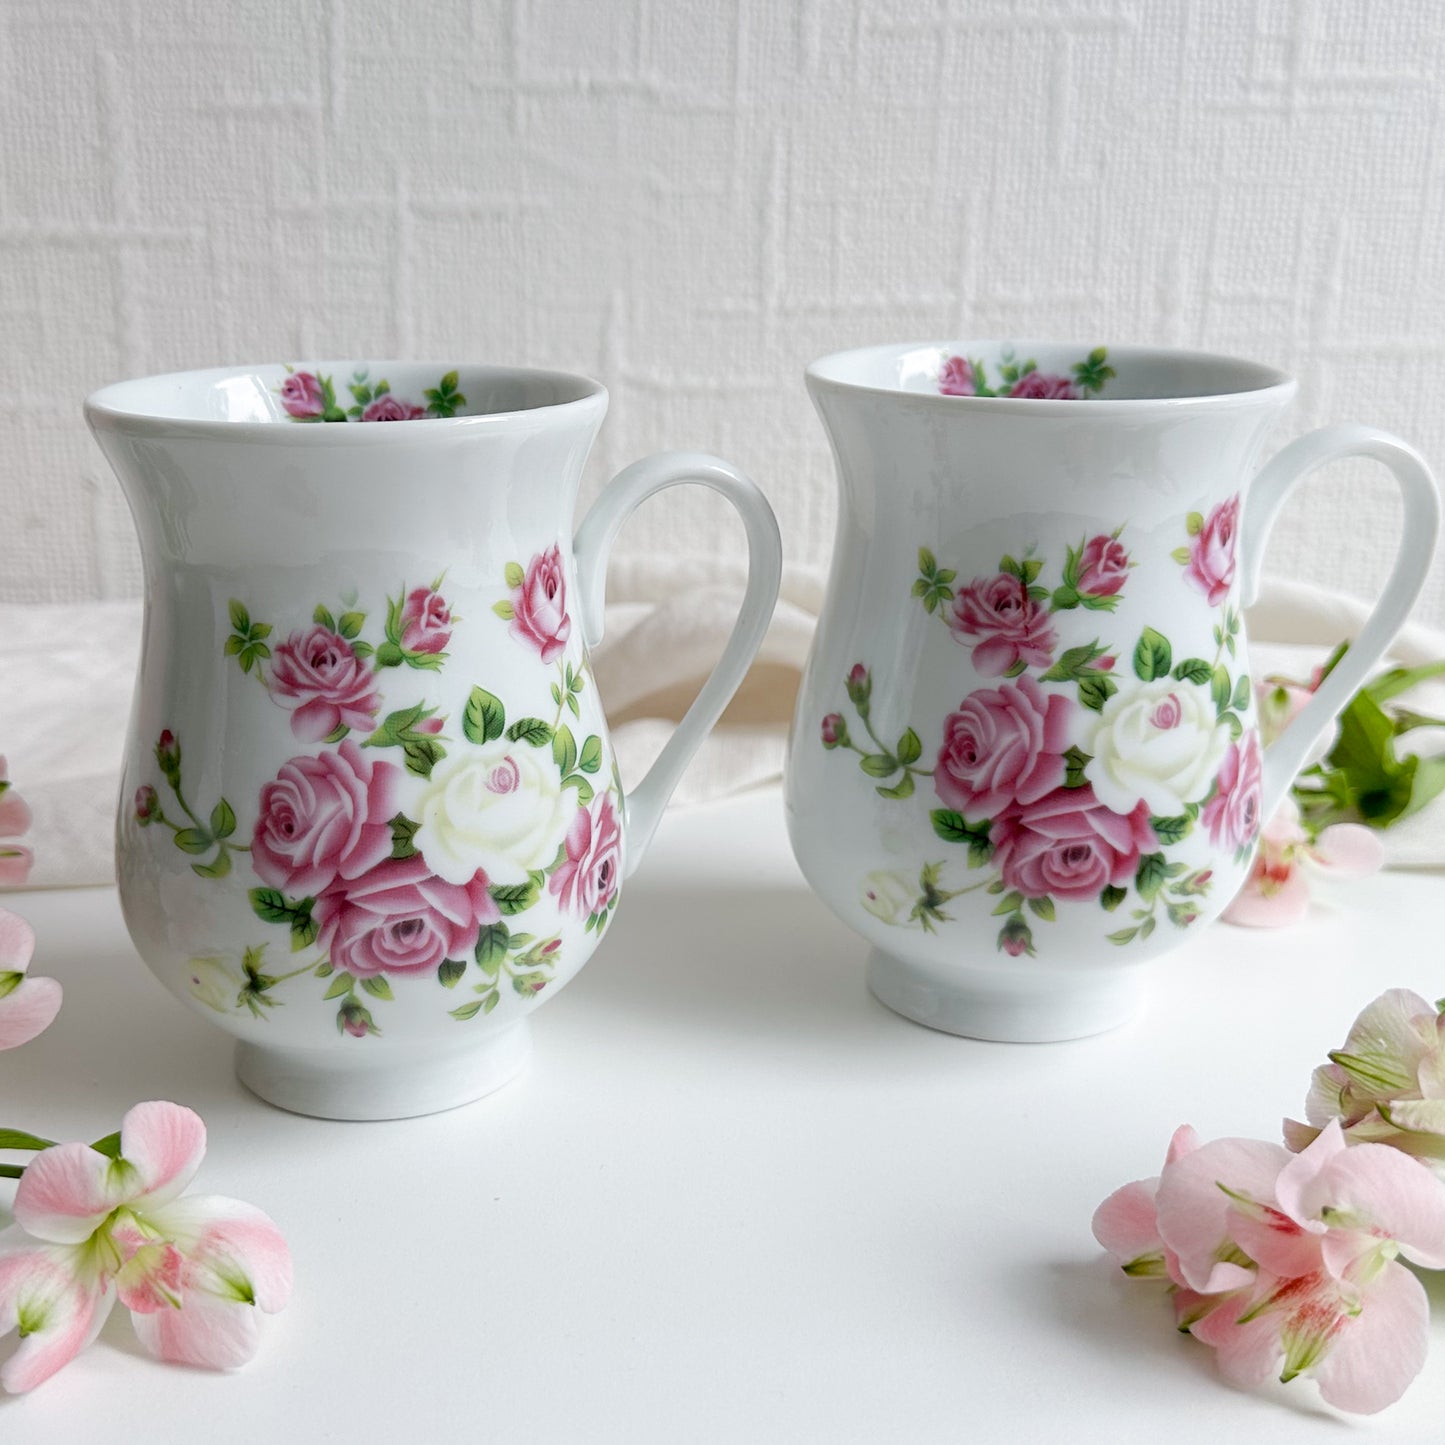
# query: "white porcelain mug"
1025, 757
370, 817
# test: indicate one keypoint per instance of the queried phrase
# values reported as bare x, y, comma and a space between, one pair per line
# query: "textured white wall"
691, 198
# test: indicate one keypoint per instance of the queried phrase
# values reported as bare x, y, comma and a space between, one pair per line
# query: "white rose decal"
887, 896
1161, 741
498, 808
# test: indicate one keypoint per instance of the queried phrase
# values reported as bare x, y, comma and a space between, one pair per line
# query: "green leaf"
1009, 903
1220, 688
240, 618
1194, 523
1181, 555
1153, 870
1153, 656
1193, 669
349, 624
564, 749
1076, 663
1172, 830
270, 905
194, 840
1012, 567
322, 616
1147, 927
1401, 679
514, 898
492, 944
1044, 907
219, 866
909, 747
1075, 761
904, 788
878, 765
1124, 935
324, 969
233, 645
389, 654
1064, 599
403, 830
1096, 690
590, 758
532, 731
339, 985
223, 820
927, 563
377, 987
1112, 897
304, 929
484, 717
1240, 700
109, 1145
17, 1139
515, 575
585, 791
466, 1011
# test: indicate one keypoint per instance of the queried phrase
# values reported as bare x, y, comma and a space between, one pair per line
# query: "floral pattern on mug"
1209, 559
403, 847
1070, 781
537, 608
309, 396
960, 376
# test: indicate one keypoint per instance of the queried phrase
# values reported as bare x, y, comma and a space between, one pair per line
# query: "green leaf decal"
1112, 897
377, 987
1149, 878
1193, 669
484, 718
1240, 700
1172, 830
492, 944
876, 765
532, 731
1044, 907
1075, 761
223, 820
466, 1011
1095, 691
240, 618
909, 747
193, 840
903, 789
1153, 657
590, 758
515, 575
564, 749
514, 898
341, 984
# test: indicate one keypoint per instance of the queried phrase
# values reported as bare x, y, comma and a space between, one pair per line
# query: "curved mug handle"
633, 485
1266, 495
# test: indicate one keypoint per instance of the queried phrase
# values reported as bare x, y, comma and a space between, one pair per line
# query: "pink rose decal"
323, 819
1212, 548
1103, 566
1232, 814
1014, 629
1040, 387
539, 605
1003, 746
388, 408
328, 685
586, 882
426, 621
400, 918
302, 396
1069, 845
956, 377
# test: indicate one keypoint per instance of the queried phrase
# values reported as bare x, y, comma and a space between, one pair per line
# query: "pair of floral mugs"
371, 816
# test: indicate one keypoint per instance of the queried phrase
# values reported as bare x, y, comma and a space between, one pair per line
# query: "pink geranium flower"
1212, 552
27, 1005
1013, 629
317, 672
539, 605
1004, 745
1286, 1264
90, 1230
15, 860
1277, 891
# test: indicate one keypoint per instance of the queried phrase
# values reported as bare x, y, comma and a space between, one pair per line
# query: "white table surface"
733, 1199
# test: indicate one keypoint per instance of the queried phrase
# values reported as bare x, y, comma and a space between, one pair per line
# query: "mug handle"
633, 485
1291, 465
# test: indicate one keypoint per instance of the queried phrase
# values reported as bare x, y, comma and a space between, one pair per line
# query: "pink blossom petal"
1389, 1037
61, 1315
1127, 1226
1418, 1116
164, 1143
1379, 1351
207, 1331
315, 720
15, 816
233, 1250
1287, 903
1184, 1140
1194, 1211
1349, 850
1248, 1353
15, 865
1299, 1136
17, 942
1326, 1097
66, 1192
27, 1010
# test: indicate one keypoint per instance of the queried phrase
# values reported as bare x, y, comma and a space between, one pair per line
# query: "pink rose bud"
302, 396
147, 804
1105, 663
168, 755
835, 730
552, 947
354, 1020
1103, 566
860, 685
431, 725
426, 621
1016, 938
955, 377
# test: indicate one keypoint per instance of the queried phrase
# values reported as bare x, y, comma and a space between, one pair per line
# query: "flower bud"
860, 685
835, 730
1016, 938
147, 805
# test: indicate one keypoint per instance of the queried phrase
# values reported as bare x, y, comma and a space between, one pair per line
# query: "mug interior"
311, 392
1045, 372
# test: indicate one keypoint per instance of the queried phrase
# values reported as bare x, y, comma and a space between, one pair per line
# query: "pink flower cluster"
1286, 1263
322, 833
1003, 759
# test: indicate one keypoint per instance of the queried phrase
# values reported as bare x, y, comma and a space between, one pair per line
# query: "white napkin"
66, 673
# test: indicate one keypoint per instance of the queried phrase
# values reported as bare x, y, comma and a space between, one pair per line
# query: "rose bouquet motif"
311, 396
408, 846
1074, 777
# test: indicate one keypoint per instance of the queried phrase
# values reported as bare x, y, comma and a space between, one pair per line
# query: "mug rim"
107, 407
1263, 383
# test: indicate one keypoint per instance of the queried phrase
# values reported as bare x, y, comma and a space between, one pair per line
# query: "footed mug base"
1021, 1010
395, 1084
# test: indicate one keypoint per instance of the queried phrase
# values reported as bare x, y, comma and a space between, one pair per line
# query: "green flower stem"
11, 1171
181, 799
